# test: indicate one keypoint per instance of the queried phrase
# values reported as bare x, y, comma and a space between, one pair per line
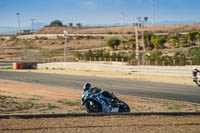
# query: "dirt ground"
25, 98
110, 124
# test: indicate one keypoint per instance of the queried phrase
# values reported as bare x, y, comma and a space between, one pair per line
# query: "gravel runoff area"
25, 98
110, 124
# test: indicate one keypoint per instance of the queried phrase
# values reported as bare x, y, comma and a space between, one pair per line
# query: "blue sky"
96, 11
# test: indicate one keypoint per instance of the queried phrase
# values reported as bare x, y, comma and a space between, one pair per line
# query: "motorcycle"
197, 79
97, 102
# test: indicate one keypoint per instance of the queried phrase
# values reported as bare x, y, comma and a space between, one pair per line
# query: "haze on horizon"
96, 11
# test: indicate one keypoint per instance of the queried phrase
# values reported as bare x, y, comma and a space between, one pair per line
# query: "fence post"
138, 62
174, 61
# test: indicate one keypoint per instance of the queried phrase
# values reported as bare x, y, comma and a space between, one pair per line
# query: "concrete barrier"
120, 67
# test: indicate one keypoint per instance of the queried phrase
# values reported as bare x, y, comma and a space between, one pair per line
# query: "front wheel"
197, 82
92, 106
124, 107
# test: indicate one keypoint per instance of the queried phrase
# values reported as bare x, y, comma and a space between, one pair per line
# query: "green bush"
113, 43
56, 23
180, 58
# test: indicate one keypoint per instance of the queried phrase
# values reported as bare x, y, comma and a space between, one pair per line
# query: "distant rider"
194, 72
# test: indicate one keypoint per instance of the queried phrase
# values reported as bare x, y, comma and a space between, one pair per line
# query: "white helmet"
194, 68
86, 86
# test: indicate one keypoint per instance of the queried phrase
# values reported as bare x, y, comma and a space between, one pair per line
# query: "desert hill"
119, 29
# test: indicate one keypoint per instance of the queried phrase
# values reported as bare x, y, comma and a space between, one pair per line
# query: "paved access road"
187, 93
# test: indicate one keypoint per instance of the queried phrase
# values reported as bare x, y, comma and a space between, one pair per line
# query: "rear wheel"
92, 107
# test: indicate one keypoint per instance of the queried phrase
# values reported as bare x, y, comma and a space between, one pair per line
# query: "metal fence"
129, 62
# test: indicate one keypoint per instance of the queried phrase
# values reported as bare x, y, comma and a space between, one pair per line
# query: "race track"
187, 93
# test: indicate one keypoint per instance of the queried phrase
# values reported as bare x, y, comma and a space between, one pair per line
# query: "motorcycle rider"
88, 87
194, 72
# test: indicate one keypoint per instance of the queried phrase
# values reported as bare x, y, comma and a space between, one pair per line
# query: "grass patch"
34, 99
37, 97
172, 106
39, 106
25, 105
70, 103
6, 67
79, 110
51, 107
5, 97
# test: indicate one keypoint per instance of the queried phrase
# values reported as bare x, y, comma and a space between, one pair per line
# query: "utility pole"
141, 24
18, 16
65, 47
32, 22
137, 43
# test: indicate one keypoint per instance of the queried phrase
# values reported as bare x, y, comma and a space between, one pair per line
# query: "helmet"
86, 86
194, 68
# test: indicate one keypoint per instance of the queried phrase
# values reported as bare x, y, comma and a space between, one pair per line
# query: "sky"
96, 11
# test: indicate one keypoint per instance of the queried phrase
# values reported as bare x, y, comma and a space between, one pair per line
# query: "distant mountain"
37, 25
5, 29
148, 23
177, 22
13, 30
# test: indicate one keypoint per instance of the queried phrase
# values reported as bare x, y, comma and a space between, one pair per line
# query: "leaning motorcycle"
98, 103
197, 79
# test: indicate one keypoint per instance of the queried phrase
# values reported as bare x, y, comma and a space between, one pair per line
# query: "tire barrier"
29, 65
27, 116
24, 65
17, 66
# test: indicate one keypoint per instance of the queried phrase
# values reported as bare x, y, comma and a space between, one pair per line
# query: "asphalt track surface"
186, 93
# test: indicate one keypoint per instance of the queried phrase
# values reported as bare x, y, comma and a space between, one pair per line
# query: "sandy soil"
45, 99
111, 124
20, 98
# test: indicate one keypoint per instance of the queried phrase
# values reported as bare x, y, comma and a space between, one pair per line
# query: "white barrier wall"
121, 67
